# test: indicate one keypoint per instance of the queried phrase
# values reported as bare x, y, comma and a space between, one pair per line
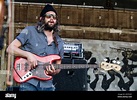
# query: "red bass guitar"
22, 70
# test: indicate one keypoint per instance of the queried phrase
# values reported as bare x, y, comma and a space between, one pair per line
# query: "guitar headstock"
111, 65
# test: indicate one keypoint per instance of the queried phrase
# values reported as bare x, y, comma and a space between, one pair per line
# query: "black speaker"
71, 79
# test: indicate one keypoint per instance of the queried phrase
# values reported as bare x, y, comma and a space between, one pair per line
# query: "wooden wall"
81, 17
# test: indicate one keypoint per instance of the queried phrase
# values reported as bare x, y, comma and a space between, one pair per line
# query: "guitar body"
22, 70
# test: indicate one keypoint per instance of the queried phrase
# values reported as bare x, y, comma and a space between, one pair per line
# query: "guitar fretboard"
74, 66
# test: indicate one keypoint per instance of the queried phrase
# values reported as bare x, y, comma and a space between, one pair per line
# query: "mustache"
41, 26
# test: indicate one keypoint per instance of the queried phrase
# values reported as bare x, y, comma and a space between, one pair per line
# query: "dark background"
130, 4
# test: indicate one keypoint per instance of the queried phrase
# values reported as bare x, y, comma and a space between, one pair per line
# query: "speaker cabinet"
71, 79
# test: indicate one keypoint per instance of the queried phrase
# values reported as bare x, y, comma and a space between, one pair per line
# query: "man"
41, 40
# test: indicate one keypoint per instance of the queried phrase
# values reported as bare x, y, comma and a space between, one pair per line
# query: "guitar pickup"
18, 66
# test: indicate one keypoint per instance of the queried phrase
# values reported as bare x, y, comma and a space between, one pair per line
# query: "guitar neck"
74, 66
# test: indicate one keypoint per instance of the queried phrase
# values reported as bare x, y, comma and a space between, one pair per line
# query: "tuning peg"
118, 62
117, 58
114, 61
107, 59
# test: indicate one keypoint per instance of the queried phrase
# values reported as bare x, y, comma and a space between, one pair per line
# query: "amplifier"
74, 50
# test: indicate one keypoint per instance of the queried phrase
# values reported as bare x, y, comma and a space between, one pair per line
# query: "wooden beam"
2, 8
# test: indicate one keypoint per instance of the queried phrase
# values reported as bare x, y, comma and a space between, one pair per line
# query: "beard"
49, 27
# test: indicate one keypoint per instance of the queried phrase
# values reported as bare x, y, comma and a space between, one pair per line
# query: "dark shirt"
36, 43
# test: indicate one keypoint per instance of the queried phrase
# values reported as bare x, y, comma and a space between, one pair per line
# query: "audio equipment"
73, 50
71, 79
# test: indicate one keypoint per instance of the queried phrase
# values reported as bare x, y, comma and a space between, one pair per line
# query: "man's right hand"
32, 60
